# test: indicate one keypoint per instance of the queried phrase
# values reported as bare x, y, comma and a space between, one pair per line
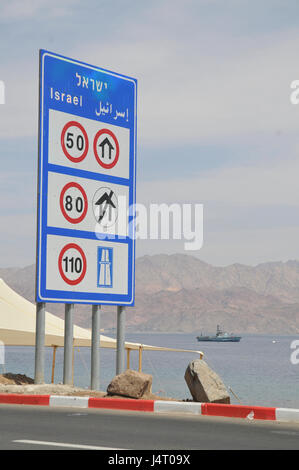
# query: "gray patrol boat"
220, 337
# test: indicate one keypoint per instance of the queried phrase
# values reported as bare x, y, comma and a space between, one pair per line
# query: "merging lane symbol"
105, 207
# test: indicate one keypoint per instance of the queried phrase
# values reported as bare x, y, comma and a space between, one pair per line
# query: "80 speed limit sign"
73, 202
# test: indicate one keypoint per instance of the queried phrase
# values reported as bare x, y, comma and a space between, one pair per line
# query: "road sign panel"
70, 194
85, 242
61, 266
56, 154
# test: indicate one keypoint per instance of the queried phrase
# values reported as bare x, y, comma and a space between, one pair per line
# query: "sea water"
258, 369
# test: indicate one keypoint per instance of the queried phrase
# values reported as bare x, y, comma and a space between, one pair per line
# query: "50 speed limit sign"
74, 141
87, 180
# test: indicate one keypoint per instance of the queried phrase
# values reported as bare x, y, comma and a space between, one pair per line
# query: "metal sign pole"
95, 348
120, 352
68, 344
40, 343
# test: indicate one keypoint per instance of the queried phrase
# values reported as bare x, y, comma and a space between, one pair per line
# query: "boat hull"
232, 339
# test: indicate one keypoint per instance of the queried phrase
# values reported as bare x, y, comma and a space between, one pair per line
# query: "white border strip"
287, 414
177, 407
79, 402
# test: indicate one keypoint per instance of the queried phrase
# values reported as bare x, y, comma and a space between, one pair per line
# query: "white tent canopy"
18, 322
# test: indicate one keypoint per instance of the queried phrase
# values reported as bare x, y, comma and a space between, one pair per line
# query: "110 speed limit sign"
72, 264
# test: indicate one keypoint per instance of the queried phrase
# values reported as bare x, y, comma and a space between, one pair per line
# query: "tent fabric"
18, 322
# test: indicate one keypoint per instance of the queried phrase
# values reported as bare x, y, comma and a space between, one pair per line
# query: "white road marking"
289, 433
64, 444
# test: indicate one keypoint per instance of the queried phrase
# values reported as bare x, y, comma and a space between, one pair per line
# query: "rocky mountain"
182, 293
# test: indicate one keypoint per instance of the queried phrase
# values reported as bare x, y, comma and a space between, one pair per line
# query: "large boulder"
204, 384
131, 384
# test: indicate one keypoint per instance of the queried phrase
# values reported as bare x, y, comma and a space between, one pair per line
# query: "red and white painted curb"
158, 406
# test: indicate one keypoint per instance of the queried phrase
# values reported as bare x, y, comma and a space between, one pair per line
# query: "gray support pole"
68, 345
40, 343
120, 352
95, 348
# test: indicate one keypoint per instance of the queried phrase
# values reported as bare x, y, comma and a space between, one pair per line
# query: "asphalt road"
54, 428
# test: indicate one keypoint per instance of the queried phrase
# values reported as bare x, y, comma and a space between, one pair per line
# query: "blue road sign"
87, 180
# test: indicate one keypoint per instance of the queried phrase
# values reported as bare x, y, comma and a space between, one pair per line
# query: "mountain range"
181, 293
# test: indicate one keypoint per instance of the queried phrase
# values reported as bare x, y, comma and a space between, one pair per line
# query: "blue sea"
258, 369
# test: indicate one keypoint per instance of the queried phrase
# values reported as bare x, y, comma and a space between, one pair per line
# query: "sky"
215, 122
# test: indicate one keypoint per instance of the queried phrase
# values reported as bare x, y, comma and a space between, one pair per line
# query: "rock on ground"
204, 384
131, 384
15, 379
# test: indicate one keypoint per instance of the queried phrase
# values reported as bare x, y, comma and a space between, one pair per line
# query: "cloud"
251, 214
210, 75
188, 92
240, 186
19, 115
17, 240
195, 94
250, 247
17, 193
20, 10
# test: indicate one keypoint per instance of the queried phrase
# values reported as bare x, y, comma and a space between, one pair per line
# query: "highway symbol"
105, 267
106, 148
105, 206
74, 141
73, 203
72, 264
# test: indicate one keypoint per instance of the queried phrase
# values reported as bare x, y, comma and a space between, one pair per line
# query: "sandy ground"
18, 383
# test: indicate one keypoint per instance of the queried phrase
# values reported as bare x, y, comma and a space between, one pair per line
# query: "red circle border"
82, 216
75, 281
72, 159
98, 134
